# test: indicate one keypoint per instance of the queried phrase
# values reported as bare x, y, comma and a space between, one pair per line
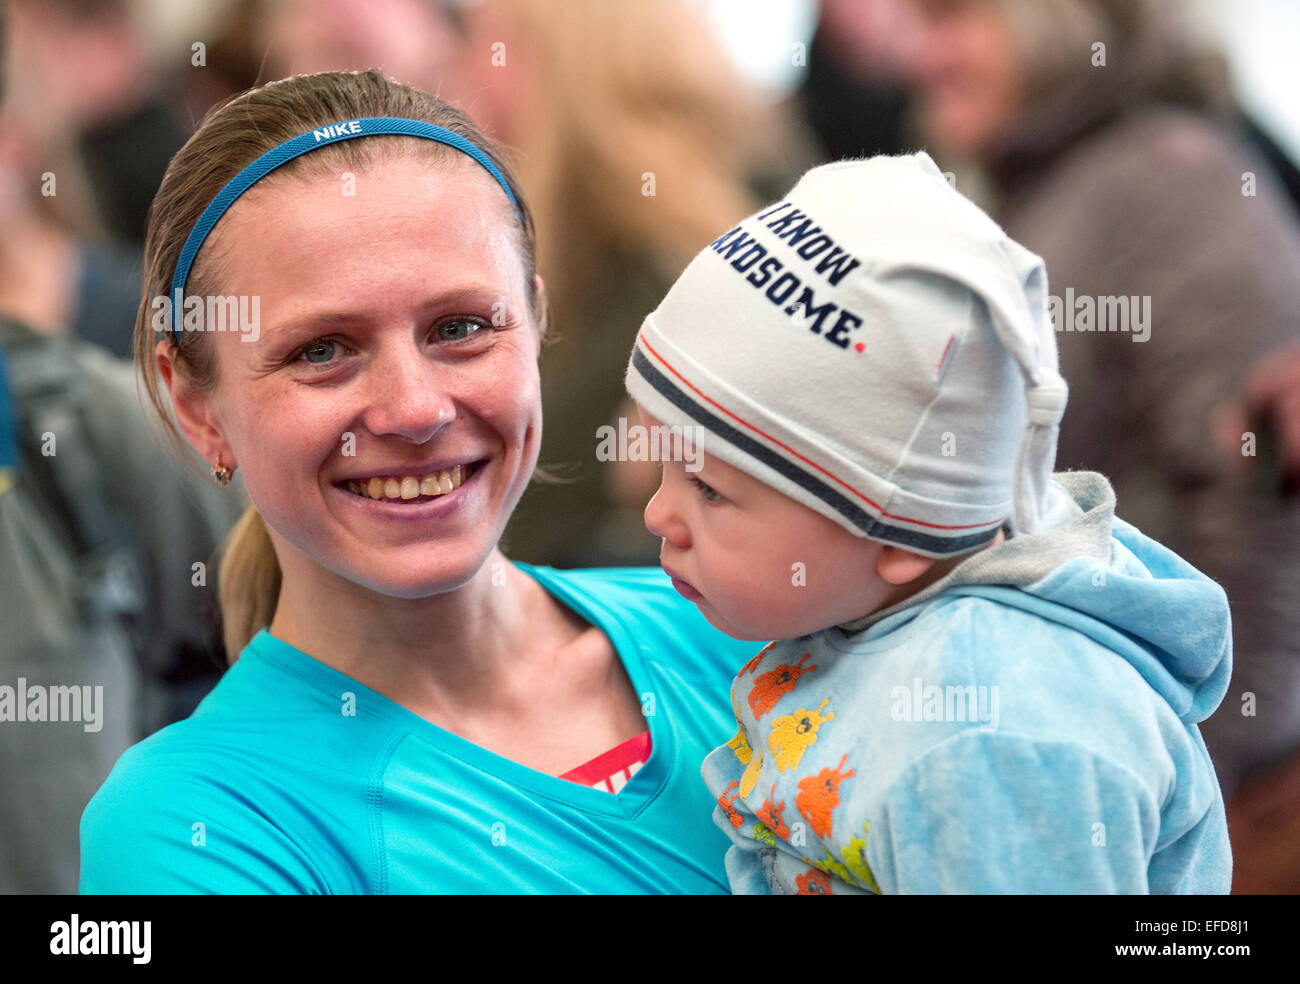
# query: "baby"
985, 681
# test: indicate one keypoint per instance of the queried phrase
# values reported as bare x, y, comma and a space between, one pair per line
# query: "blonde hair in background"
231, 137
628, 89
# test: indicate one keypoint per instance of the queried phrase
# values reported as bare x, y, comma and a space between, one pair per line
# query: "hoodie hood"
1089, 570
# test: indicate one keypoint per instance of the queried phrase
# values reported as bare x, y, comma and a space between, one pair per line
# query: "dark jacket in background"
98, 543
1126, 183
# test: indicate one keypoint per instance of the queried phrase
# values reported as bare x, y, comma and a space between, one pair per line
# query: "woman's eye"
710, 494
457, 330
319, 352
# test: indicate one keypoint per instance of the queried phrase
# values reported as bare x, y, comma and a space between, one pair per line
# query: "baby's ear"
899, 566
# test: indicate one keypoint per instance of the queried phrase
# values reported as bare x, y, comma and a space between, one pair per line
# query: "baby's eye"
458, 330
709, 492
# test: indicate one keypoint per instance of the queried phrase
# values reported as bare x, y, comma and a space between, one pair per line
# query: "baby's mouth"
411, 488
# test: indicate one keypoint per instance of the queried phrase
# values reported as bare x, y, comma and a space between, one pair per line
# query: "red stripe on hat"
791, 451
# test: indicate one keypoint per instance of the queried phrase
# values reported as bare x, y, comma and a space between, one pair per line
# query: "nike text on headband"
369, 126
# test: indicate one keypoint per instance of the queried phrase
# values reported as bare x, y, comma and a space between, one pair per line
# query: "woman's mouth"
411, 489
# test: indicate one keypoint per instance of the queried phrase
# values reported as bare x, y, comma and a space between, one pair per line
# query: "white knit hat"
875, 347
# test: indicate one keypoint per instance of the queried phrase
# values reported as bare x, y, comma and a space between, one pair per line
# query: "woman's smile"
421, 507
410, 484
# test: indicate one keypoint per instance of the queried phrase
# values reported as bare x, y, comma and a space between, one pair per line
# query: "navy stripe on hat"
869, 525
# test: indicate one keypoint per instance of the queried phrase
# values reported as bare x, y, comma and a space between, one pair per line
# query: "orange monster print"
818, 795
770, 686
752, 665
725, 802
814, 882
770, 814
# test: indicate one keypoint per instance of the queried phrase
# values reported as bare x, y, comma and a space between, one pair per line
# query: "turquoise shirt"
271, 786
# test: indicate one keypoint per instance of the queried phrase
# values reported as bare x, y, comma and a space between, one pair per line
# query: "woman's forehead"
393, 219
392, 183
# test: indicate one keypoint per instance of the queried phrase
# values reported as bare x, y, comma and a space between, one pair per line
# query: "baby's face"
758, 564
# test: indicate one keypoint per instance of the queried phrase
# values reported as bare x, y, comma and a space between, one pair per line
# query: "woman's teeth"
411, 486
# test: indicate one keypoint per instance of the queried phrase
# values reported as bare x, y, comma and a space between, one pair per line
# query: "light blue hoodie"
1026, 724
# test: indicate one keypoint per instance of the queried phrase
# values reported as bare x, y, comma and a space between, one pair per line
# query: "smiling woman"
408, 711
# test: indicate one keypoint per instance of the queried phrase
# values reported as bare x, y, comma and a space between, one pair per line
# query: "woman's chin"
417, 577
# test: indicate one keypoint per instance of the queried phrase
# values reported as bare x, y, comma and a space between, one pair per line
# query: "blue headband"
369, 126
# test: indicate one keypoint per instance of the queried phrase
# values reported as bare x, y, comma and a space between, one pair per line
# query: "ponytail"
248, 583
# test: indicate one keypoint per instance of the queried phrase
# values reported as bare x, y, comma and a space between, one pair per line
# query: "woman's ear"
194, 411
898, 566
543, 313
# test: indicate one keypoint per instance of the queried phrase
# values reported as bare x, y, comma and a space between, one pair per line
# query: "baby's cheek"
772, 595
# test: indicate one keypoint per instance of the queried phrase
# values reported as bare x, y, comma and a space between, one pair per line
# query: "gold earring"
220, 473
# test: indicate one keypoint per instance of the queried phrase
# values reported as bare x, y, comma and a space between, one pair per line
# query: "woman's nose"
409, 397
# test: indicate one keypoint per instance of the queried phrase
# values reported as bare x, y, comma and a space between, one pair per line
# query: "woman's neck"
437, 655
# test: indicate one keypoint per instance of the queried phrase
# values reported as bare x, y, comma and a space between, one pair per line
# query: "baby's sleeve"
992, 813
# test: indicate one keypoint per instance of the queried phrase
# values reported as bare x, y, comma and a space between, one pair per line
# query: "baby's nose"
662, 520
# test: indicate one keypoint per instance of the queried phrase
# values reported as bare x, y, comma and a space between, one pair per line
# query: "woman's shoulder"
162, 825
643, 601
197, 809
639, 596
215, 802
608, 582
623, 588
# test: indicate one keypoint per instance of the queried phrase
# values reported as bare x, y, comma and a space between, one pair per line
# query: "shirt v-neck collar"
639, 791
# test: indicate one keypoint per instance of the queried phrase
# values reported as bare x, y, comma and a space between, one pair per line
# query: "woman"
405, 700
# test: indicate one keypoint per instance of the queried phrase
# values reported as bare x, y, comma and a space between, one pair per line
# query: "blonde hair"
628, 90
231, 137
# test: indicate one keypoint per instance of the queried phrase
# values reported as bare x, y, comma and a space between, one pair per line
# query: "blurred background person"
104, 544
1110, 143
74, 177
853, 94
102, 94
83, 75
